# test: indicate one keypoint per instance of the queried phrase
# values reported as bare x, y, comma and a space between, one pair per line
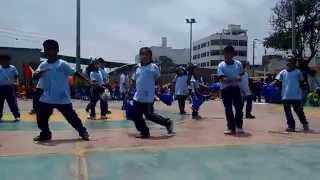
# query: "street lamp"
191, 21
253, 53
78, 48
293, 22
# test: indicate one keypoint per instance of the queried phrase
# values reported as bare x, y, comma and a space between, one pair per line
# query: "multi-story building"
178, 56
208, 51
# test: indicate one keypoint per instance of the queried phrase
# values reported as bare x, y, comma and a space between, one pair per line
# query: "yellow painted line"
83, 168
117, 115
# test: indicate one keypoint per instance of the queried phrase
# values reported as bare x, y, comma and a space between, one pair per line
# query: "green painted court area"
259, 162
48, 167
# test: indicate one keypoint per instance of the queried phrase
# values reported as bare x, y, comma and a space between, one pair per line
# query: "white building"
178, 56
208, 51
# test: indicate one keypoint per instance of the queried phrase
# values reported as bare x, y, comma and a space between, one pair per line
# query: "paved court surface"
199, 151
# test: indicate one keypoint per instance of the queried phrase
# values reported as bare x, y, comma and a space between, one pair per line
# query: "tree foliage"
307, 27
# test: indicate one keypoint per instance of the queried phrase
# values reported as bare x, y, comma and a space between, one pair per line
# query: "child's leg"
238, 105
138, 120
183, 103
71, 116
93, 103
288, 113
12, 102
298, 109
249, 105
227, 102
148, 111
103, 106
36, 96
180, 103
43, 113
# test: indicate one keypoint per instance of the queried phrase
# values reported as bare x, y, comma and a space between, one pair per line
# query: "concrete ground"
199, 151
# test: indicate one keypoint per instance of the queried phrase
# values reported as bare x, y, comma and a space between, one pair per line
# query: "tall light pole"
191, 21
254, 53
78, 50
293, 22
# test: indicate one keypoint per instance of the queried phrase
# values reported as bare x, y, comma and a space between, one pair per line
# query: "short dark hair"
292, 59
5, 57
229, 49
51, 43
147, 49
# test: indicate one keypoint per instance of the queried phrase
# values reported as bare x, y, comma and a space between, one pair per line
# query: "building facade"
178, 56
208, 51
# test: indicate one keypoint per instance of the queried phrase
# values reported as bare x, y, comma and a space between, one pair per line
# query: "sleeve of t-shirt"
67, 69
301, 77
220, 70
15, 71
156, 72
92, 77
240, 68
40, 67
133, 77
279, 77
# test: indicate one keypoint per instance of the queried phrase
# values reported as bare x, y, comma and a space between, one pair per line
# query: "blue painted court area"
49, 167
257, 162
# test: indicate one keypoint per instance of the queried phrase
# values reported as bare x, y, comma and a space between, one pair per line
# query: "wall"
22, 56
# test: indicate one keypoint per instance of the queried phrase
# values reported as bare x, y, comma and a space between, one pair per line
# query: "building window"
241, 53
208, 53
215, 53
225, 42
215, 63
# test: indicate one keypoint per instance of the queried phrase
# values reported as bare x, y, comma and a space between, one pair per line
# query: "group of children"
53, 92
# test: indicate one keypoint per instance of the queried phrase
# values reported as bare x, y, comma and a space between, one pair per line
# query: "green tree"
307, 27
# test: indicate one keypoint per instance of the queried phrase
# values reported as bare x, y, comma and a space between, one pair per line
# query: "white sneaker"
227, 131
240, 131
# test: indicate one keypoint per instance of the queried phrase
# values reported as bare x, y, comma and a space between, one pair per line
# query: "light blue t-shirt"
97, 77
55, 83
104, 75
181, 85
8, 75
244, 84
291, 89
232, 73
145, 77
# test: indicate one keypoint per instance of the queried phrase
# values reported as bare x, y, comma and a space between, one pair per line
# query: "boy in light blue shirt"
145, 77
181, 88
96, 90
8, 80
229, 72
292, 95
53, 75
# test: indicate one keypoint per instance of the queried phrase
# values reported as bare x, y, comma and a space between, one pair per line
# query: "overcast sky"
115, 29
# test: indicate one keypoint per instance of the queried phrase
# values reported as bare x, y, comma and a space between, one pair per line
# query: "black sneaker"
143, 136
306, 127
290, 130
250, 116
109, 112
85, 136
170, 128
183, 113
42, 138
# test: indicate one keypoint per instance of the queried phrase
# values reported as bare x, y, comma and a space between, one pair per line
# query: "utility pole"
191, 21
78, 50
253, 56
293, 22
